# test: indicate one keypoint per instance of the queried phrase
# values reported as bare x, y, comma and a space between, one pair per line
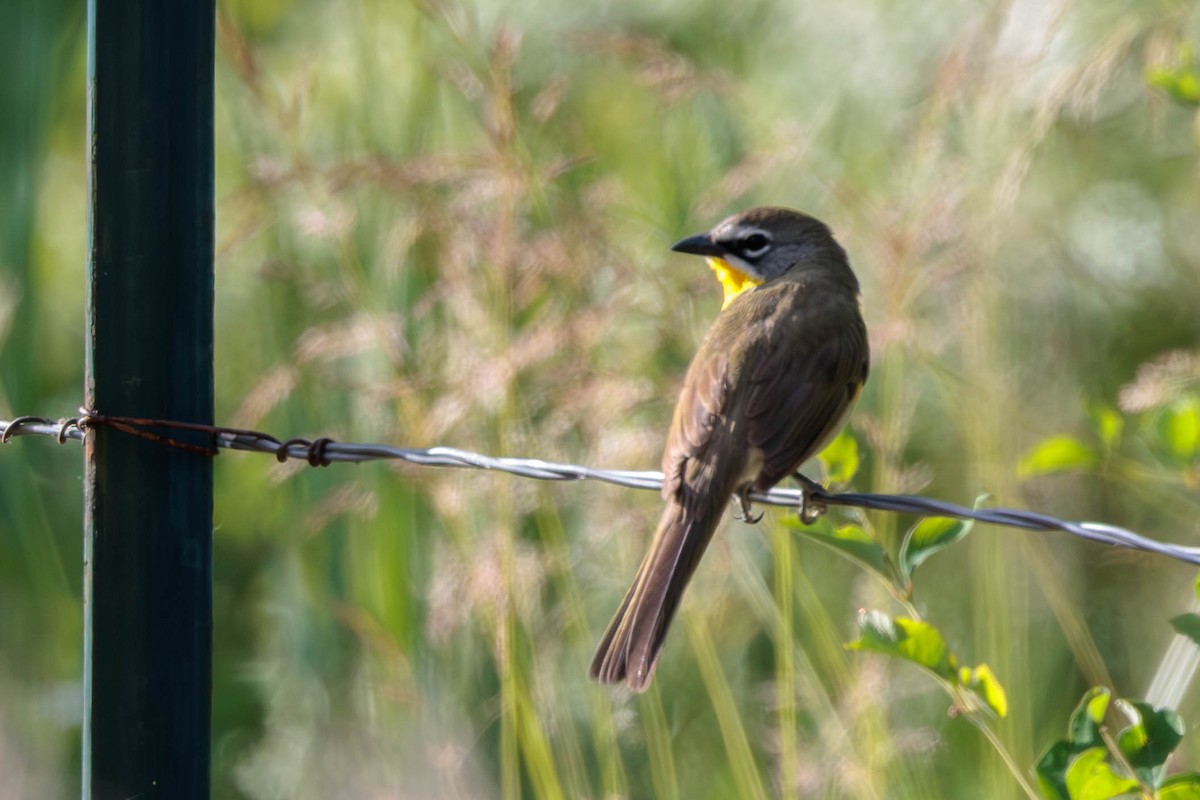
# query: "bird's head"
755, 246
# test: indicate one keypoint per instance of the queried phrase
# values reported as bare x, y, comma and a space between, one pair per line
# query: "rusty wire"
324, 451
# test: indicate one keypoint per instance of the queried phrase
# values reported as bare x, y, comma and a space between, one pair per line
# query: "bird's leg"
811, 504
742, 498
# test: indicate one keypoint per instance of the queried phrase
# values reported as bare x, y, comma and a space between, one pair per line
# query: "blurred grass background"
447, 222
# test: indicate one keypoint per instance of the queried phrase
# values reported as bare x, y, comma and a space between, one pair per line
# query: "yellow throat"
732, 279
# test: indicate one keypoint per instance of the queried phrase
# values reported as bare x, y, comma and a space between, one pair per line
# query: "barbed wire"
325, 451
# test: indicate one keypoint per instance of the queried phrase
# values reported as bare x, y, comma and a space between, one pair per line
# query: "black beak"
700, 245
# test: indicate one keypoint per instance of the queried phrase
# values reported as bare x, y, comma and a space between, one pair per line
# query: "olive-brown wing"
701, 407
807, 375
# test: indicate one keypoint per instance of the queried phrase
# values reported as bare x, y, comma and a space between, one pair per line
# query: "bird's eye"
755, 245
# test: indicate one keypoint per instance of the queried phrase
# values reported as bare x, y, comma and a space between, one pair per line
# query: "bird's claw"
812, 502
742, 498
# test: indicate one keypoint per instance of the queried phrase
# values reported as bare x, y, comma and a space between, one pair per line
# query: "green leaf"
840, 458
927, 537
1083, 733
1052, 770
1178, 78
1187, 625
1056, 454
851, 541
1180, 429
910, 639
1084, 728
1109, 424
1090, 777
982, 681
1180, 81
1184, 786
1149, 742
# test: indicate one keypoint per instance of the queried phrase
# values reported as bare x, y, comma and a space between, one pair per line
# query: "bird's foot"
742, 498
812, 503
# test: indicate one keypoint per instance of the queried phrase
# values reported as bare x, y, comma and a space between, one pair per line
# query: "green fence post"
148, 547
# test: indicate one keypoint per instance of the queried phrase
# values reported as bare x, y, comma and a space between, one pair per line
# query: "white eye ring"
757, 251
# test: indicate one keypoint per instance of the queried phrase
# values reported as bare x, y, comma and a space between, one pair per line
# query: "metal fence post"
148, 547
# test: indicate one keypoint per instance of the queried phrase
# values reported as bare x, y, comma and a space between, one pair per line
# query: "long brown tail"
631, 646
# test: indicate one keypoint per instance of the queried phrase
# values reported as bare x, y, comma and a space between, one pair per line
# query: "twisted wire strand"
324, 451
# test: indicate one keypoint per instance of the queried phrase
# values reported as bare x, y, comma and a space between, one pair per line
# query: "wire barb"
324, 451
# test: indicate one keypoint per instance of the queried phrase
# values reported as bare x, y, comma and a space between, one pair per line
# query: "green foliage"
1181, 787
983, 682
851, 541
1150, 740
905, 638
1059, 453
1179, 429
928, 537
922, 644
912, 640
1083, 735
1180, 79
840, 458
1090, 763
1188, 625
1169, 430
1107, 423
1090, 777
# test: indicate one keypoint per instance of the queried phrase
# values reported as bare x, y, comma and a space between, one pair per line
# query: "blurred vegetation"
446, 222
